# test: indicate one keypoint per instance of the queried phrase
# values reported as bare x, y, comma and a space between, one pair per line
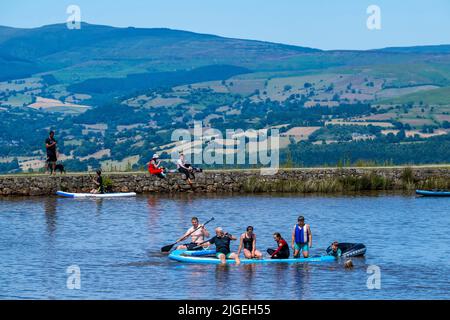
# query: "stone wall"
286, 180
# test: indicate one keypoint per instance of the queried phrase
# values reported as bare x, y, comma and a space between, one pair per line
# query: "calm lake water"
116, 243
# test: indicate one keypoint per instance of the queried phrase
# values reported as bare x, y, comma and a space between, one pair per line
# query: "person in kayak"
222, 241
98, 181
282, 251
335, 251
248, 242
155, 168
197, 237
185, 169
301, 238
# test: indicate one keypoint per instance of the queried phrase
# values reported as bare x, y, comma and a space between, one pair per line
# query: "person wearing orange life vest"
155, 168
301, 238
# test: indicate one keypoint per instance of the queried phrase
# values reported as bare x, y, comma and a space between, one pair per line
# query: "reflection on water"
116, 243
50, 215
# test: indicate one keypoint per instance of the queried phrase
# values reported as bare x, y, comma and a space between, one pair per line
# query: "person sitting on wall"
185, 169
155, 168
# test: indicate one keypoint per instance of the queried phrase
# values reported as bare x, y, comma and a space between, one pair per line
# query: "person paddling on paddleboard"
282, 251
248, 242
197, 237
222, 241
98, 181
301, 238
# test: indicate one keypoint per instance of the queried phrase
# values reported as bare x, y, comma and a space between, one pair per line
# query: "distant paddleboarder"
98, 181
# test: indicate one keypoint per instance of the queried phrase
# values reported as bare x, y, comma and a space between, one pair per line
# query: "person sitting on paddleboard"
197, 237
98, 181
335, 251
154, 167
248, 242
301, 238
282, 251
185, 169
222, 242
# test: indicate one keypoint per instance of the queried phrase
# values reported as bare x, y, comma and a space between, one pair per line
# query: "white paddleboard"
95, 195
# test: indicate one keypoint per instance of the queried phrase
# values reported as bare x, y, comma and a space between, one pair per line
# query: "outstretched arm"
280, 245
240, 244
231, 237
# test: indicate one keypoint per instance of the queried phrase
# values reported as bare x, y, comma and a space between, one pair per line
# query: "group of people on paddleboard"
301, 242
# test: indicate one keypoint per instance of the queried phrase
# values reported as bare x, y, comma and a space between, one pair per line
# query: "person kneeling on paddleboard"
222, 241
282, 251
335, 251
301, 238
198, 235
98, 181
154, 167
248, 242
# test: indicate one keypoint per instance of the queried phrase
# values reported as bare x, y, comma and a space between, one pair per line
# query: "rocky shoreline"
239, 181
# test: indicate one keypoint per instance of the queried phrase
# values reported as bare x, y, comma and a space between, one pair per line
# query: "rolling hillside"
126, 89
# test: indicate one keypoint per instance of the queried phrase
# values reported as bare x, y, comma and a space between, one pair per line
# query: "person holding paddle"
198, 235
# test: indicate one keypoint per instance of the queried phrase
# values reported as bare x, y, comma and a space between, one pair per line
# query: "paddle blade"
167, 248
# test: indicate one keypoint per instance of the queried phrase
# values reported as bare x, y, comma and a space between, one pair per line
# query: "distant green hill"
436, 96
55, 47
444, 48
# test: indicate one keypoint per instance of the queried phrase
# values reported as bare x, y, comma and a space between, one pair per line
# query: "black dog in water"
59, 167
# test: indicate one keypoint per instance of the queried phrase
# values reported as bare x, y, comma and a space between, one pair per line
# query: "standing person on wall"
52, 156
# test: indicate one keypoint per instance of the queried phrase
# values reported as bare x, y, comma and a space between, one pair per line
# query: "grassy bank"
342, 183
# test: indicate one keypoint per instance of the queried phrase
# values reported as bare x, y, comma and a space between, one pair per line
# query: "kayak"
433, 193
350, 249
95, 195
208, 257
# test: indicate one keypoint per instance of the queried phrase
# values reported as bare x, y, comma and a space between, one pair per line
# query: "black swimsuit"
248, 243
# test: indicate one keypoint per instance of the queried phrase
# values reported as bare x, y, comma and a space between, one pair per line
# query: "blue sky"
324, 24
